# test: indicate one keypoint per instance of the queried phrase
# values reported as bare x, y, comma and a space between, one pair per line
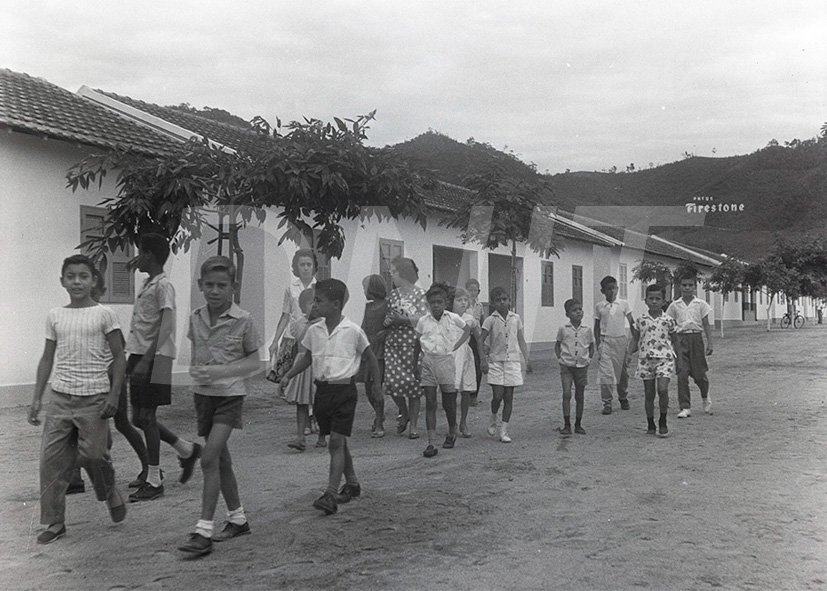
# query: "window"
547, 288
726, 297
760, 297
577, 283
735, 293
623, 279
706, 295
389, 250
114, 266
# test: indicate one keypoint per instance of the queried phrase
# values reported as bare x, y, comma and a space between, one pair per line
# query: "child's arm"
597, 331
417, 352
44, 370
284, 320
524, 350
483, 345
558, 349
110, 406
302, 361
466, 334
591, 350
708, 333
369, 358
241, 368
165, 331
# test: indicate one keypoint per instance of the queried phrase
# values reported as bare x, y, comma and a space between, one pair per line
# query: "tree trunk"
237, 256
723, 299
769, 311
514, 275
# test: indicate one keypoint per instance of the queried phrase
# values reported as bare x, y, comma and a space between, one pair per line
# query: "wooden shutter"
114, 266
389, 250
547, 289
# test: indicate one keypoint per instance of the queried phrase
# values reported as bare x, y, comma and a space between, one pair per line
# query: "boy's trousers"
691, 363
73, 431
614, 355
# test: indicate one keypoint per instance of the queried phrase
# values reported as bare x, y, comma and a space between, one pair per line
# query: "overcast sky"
577, 85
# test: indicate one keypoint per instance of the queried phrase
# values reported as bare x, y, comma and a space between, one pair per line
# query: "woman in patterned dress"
405, 306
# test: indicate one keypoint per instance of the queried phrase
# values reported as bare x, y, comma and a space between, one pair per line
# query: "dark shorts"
580, 375
225, 410
334, 408
157, 391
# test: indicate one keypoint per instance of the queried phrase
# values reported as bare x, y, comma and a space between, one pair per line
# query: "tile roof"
33, 105
223, 133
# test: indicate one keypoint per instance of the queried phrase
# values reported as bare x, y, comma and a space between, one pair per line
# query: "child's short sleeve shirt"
574, 345
82, 353
654, 340
336, 355
438, 337
156, 295
502, 336
689, 317
612, 317
232, 338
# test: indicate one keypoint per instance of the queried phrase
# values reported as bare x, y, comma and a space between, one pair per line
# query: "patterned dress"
400, 379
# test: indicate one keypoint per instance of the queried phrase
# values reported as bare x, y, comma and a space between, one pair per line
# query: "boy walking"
656, 338
335, 347
507, 351
82, 340
441, 334
612, 341
574, 350
692, 316
226, 349
151, 349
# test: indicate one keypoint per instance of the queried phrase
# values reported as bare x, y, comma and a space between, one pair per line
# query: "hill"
775, 190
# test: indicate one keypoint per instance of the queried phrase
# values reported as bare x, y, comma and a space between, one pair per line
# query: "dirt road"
737, 500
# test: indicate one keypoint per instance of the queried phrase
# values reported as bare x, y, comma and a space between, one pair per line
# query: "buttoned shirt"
438, 337
156, 295
612, 317
654, 340
689, 317
574, 344
502, 336
337, 354
233, 337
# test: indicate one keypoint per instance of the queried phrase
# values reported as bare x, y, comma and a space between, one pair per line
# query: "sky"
564, 85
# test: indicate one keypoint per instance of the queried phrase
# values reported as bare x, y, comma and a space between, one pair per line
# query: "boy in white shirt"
692, 317
574, 350
441, 334
612, 340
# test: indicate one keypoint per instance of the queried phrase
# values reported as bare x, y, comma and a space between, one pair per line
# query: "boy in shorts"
226, 349
441, 333
335, 347
655, 337
507, 351
151, 349
574, 349
82, 340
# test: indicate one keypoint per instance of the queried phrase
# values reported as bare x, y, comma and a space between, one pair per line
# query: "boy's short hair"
437, 289
304, 253
688, 275
218, 263
156, 244
460, 292
606, 282
332, 289
306, 297
571, 304
497, 292
472, 281
656, 287
78, 259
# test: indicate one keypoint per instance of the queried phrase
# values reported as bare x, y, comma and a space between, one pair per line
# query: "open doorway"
499, 275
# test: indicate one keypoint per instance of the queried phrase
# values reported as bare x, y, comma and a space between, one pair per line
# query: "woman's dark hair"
304, 253
375, 288
406, 268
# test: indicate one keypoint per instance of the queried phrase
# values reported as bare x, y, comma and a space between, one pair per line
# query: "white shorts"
505, 373
438, 370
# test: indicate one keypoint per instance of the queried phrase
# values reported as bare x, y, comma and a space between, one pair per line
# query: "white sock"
238, 517
204, 528
183, 447
153, 475
493, 419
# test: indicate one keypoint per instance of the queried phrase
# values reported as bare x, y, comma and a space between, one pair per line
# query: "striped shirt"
82, 354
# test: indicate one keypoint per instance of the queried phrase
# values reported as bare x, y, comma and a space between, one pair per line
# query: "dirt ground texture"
736, 500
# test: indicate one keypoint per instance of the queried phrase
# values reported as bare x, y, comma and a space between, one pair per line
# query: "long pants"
691, 362
73, 431
614, 356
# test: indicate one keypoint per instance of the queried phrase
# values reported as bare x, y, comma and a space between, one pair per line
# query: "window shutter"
119, 279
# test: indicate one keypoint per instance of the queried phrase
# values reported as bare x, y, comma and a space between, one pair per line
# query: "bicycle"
787, 320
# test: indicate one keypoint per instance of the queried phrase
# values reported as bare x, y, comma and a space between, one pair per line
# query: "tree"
318, 174
504, 211
649, 271
726, 278
771, 274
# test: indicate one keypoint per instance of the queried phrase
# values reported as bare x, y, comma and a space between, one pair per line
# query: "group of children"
667, 342
85, 355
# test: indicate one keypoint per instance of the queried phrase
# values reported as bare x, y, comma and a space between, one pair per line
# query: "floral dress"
400, 341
